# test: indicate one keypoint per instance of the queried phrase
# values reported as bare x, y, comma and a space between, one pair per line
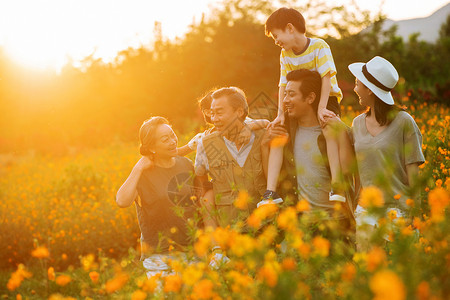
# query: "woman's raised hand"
144, 163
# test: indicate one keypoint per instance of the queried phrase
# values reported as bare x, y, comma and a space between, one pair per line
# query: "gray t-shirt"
166, 204
313, 176
382, 159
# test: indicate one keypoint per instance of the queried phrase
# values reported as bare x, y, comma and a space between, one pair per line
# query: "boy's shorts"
334, 106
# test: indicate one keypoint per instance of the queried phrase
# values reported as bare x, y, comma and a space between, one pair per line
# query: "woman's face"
363, 93
165, 142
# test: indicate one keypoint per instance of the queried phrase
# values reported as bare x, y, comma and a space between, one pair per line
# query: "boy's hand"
324, 114
274, 131
194, 141
278, 120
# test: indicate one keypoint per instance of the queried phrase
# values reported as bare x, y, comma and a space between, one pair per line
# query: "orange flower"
423, 291
40, 252
397, 197
116, 283
302, 205
375, 257
203, 289
392, 214
410, 202
17, 277
386, 285
51, 273
261, 213
242, 200
279, 141
289, 264
151, 283
438, 199
172, 283
138, 295
321, 246
349, 272
63, 280
94, 276
268, 274
371, 197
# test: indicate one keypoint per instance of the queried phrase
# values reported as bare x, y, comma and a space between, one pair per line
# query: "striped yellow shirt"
317, 57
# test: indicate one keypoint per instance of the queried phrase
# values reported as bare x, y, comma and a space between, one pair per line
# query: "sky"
45, 34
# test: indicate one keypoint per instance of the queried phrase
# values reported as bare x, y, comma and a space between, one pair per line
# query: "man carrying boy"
232, 155
287, 27
305, 156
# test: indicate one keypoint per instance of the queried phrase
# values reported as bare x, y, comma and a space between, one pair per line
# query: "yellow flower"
51, 273
40, 252
192, 274
138, 295
116, 283
172, 283
242, 244
267, 236
321, 246
371, 197
203, 290
202, 245
88, 262
242, 200
287, 219
63, 280
386, 285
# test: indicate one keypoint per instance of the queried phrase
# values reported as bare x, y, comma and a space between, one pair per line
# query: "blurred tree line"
99, 103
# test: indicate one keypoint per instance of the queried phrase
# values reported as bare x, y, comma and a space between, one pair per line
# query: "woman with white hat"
388, 143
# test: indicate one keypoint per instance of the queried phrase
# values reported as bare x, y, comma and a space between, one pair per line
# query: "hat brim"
356, 69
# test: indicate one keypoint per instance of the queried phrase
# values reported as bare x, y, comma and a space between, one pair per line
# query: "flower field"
63, 236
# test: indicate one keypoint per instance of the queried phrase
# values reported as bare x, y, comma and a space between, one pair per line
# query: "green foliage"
95, 103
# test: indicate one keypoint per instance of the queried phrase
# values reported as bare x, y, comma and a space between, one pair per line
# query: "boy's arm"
322, 111
257, 124
280, 114
184, 150
190, 146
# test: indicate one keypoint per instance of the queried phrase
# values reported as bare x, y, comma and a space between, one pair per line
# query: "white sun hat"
379, 75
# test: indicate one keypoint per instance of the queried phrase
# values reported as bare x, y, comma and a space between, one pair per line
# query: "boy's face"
283, 38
